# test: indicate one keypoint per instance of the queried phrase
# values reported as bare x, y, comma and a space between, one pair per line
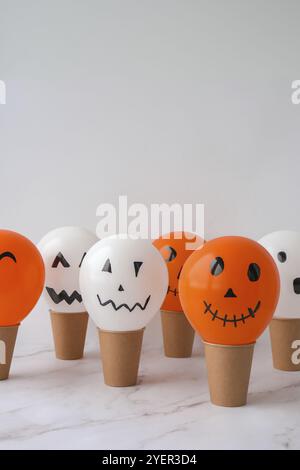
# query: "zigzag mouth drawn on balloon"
235, 320
63, 296
130, 309
172, 291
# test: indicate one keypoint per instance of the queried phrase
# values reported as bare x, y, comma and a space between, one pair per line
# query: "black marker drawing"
130, 309
60, 259
63, 296
8, 254
215, 314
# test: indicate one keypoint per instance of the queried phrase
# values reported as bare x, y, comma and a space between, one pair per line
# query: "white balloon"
63, 250
284, 247
123, 283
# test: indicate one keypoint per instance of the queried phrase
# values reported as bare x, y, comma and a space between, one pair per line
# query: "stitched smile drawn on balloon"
124, 305
174, 291
63, 296
234, 319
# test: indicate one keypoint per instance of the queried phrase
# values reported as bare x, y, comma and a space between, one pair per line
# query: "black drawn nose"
296, 284
121, 288
230, 293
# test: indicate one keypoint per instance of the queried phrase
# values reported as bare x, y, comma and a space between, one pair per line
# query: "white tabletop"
52, 404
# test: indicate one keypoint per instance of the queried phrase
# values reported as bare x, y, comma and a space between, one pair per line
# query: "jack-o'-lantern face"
123, 282
175, 248
22, 276
64, 250
229, 290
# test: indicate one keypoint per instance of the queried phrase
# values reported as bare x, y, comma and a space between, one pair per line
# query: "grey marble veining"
52, 404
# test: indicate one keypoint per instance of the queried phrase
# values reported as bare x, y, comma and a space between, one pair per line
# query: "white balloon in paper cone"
123, 283
63, 251
284, 247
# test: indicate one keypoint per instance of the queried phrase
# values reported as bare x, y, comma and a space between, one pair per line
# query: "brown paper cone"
120, 356
285, 343
69, 332
8, 335
178, 334
228, 369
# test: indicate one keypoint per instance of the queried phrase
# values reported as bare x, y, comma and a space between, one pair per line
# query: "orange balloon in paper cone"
229, 291
175, 248
21, 284
178, 335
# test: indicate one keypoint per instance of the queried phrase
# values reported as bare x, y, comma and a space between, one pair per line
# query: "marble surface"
52, 404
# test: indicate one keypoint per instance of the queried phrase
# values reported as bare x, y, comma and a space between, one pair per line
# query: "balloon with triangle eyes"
63, 251
21, 283
284, 247
229, 291
178, 335
123, 283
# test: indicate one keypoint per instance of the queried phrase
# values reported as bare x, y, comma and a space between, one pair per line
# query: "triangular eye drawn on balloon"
60, 259
137, 267
107, 266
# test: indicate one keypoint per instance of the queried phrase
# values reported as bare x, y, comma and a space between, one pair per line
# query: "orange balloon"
229, 290
22, 275
175, 250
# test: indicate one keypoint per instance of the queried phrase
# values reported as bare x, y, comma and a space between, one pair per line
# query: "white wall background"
162, 100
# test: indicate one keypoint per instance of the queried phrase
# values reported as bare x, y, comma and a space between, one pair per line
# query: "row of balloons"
226, 289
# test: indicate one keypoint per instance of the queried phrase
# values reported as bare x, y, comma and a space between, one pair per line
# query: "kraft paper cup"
120, 353
8, 335
228, 369
69, 333
285, 343
178, 334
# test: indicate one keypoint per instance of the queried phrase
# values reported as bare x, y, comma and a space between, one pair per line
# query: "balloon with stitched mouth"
284, 247
21, 283
63, 251
123, 283
229, 291
178, 334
